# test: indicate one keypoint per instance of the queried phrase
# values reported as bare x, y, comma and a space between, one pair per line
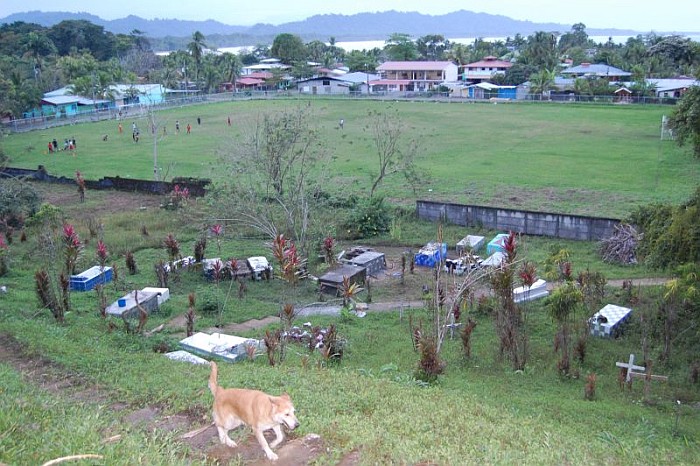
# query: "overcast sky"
638, 15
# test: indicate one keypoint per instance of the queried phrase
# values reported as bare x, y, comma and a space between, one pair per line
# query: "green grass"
479, 412
582, 159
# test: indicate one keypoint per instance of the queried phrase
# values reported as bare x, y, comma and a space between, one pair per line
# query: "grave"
497, 244
229, 347
431, 254
494, 260
258, 266
126, 305
463, 264
639, 371
332, 281
89, 279
180, 263
470, 243
163, 293
609, 320
373, 261
184, 356
536, 291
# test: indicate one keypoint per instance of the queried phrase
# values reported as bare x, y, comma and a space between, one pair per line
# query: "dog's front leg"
280, 436
263, 443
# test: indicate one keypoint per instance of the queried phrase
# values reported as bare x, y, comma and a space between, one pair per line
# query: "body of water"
349, 46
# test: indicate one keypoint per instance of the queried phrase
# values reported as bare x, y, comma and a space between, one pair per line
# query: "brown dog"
258, 410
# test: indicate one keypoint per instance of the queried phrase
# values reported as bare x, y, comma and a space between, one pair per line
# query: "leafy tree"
671, 234
277, 169
361, 60
432, 47
685, 120
395, 153
74, 35
400, 47
576, 38
289, 48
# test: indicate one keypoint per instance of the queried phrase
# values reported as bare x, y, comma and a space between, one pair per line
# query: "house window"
326, 82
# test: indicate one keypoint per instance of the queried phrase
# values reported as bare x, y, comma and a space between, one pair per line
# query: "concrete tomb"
228, 347
126, 305
536, 291
184, 356
470, 243
608, 321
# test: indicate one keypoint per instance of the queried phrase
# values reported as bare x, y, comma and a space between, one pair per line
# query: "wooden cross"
452, 326
630, 367
645, 372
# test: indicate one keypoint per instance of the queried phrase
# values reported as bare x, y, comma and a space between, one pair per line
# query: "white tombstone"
536, 291
162, 293
184, 356
228, 347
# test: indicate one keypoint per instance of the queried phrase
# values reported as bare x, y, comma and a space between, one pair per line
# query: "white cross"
630, 367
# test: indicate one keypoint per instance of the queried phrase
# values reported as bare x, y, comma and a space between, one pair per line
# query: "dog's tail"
213, 386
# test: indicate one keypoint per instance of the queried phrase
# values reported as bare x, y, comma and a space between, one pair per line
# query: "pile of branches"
621, 247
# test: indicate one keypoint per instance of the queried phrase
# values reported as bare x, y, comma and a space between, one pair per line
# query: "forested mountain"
362, 26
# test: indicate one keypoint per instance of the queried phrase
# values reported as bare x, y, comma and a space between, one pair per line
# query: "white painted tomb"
184, 356
536, 291
228, 347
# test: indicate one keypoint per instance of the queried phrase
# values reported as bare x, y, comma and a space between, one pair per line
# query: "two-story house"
414, 75
484, 70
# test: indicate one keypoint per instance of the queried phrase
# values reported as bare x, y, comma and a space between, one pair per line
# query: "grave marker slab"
184, 356
536, 291
148, 300
228, 347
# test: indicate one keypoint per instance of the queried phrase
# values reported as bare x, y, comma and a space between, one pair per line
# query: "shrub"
369, 218
430, 366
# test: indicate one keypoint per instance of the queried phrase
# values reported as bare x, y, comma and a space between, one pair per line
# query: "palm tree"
542, 82
230, 67
196, 49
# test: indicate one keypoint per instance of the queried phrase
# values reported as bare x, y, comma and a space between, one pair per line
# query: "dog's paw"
231, 443
272, 456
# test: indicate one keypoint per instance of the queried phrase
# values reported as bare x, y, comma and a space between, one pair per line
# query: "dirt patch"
97, 203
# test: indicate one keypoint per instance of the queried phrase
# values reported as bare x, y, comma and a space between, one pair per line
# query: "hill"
361, 26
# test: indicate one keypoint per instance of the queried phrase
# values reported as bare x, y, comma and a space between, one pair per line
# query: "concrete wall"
530, 223
197, 187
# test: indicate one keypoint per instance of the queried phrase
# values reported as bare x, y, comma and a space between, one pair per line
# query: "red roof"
413, 65
250, 81
489, 62
259, 75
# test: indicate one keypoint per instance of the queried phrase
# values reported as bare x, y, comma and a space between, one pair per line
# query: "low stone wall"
530, 223
196, 186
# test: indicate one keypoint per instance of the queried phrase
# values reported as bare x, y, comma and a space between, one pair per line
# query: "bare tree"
395, 151
277, 171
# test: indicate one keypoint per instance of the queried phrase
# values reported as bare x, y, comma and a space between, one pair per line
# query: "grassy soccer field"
593, 160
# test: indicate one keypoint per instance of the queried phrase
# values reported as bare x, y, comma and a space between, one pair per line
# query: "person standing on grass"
177, 126
121, 129
189, 128
199, 121
229, 121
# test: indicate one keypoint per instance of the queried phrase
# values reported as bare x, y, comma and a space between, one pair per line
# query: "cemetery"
381, 352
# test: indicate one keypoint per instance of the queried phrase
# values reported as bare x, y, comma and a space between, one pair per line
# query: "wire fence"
141, 110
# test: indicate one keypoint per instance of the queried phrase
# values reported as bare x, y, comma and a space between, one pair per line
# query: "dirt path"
56, 380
